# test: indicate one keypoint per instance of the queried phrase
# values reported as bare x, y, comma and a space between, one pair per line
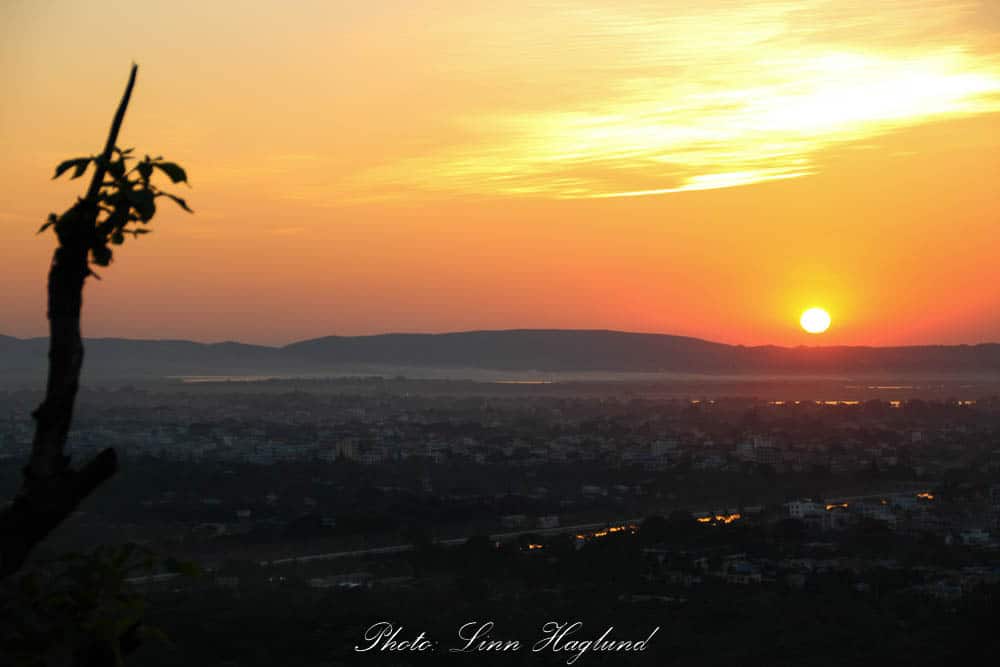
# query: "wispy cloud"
723, 96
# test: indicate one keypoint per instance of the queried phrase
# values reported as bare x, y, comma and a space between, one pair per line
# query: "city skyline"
701, 169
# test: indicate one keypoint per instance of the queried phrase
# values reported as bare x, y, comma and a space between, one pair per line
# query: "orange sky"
707, 168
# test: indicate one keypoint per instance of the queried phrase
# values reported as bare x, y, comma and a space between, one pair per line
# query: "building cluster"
818, 562
382, 429
839, 539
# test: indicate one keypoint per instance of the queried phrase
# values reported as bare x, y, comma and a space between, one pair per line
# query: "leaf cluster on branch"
125, 202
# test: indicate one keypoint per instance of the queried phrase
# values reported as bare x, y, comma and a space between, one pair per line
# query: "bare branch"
109, 146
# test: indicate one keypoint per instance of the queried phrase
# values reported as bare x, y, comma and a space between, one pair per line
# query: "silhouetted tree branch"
116, 198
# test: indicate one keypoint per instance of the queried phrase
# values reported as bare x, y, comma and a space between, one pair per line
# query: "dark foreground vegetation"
877, 615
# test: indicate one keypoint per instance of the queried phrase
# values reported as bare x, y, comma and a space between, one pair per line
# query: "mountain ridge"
547, 350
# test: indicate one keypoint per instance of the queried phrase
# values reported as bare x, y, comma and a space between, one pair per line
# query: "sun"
815, 320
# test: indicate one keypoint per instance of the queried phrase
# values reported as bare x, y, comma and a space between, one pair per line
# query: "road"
451, 542
503, 537
496, 537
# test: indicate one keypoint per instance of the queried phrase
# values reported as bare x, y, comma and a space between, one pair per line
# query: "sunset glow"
666, 167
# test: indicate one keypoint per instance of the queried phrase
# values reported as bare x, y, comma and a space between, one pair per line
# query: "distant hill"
588, 350
124, 358
513, 350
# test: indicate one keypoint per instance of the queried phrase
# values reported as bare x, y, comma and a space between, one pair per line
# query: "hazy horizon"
280, 344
